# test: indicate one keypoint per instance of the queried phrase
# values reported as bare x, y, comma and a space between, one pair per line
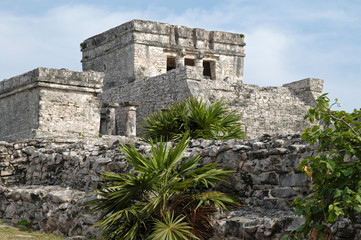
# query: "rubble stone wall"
48, 182
47, 102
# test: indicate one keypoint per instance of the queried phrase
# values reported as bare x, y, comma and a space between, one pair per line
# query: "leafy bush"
165, 197
200, 120
335, 170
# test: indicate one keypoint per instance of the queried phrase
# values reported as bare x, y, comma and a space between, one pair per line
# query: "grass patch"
9, 232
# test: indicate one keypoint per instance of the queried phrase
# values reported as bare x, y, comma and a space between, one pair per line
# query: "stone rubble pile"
48, 183
53, 209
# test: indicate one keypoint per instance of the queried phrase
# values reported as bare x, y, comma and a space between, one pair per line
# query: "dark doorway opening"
171, 63
207, 69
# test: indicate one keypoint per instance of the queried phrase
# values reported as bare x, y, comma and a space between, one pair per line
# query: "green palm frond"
214, 198
206, 176
163, 186
170, 228
199, 119
135, 159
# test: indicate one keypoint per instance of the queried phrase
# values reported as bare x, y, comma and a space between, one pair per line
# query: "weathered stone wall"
46, 102
271, 110
139, 49
266, 110
48, 182
152, 93
69, 112
19, 113
265, 178
52, 209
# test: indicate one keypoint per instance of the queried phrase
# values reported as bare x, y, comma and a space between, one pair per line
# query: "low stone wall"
53, 209
48, 181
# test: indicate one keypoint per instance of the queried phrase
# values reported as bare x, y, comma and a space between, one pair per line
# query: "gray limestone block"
298, 147
273, 203
293, 180
228, 160
259, 154
241, 147
283, 192
61, 196
265, 178
278, 151
281, 169
279, 143
258, 145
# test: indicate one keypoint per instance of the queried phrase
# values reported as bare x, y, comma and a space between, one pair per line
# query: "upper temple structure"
140, 67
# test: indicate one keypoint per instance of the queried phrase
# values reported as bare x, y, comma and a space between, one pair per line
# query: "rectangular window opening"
188, 62
171, 63
209, 68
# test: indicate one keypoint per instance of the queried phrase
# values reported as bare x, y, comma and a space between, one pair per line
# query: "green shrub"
23, 223
165, 197
200, 120
335, 170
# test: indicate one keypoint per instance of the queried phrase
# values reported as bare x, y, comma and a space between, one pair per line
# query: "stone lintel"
130, 104
110, 105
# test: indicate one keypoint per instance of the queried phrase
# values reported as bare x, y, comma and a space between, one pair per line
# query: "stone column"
130, 118
180, 58
198, 62
111, 128
108, 126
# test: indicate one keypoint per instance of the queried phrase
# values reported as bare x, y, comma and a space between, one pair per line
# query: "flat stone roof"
86, 81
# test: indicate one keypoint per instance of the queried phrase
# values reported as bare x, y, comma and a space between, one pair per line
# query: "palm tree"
165, 196
201, 120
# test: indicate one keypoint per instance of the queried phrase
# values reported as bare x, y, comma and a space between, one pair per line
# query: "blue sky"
287, 40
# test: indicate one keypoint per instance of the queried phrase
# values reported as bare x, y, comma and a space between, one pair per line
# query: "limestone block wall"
139, 49
46, 102
19, 113
271, 110
152, 94
68, 112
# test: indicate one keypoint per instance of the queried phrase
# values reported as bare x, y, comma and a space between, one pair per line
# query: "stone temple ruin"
51, 156
140, 67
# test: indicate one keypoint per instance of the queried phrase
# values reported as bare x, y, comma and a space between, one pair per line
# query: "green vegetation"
165, 197
335, 170
23, 223
195, 117
8, 232
83, 46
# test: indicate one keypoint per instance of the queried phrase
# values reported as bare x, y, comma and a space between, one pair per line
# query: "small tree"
335, 170
165, 197
213, 121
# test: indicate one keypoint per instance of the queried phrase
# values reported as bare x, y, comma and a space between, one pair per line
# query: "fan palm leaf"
200, 120
163, 183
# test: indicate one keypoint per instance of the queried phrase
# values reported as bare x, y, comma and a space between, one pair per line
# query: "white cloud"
267, 53
52, 40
